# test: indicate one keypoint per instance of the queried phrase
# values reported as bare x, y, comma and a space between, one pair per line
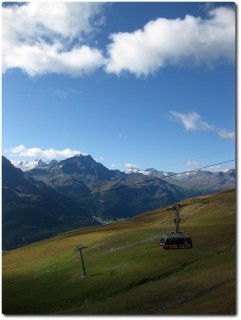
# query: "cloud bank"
132, 165
164, 42
42, 38
22, 151
193, 122
49, 37
193, 163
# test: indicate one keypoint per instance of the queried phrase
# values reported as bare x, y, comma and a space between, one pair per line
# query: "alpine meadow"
127, 271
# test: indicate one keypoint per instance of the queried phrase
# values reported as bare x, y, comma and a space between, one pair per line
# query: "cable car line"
197, 158
129, 185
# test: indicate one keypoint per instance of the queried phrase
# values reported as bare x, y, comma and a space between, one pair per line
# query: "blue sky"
132, 84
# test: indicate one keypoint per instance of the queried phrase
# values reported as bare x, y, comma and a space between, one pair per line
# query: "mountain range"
57, 196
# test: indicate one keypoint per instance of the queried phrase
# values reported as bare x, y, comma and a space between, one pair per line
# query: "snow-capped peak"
136, 170
41, 163
26, 165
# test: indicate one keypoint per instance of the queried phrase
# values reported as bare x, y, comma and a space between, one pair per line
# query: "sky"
144, 85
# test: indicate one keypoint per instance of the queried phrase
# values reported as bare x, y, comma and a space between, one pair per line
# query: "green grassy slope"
128, 272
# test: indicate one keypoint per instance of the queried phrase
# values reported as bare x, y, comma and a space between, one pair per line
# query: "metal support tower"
177, 219
80, 248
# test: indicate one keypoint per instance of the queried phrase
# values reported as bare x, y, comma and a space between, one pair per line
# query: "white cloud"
42, 37
193, 122
193, 163
65, 93
225, 134
114, 166
219, 168
131, 165
22, 151
99, 159
163, 42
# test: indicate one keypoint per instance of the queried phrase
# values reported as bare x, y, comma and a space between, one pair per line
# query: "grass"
128, 272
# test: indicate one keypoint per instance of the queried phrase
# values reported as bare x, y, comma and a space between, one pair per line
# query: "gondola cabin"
173, 240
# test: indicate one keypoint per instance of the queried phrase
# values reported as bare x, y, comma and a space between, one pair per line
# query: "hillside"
128, 272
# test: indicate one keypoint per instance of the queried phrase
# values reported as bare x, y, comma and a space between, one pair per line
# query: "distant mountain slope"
130, 195
33, 210
91, 193
84, 174
128, 272
56, 197
133, 194
200, 182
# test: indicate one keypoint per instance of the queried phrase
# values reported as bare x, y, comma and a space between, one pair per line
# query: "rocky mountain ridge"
78, 191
